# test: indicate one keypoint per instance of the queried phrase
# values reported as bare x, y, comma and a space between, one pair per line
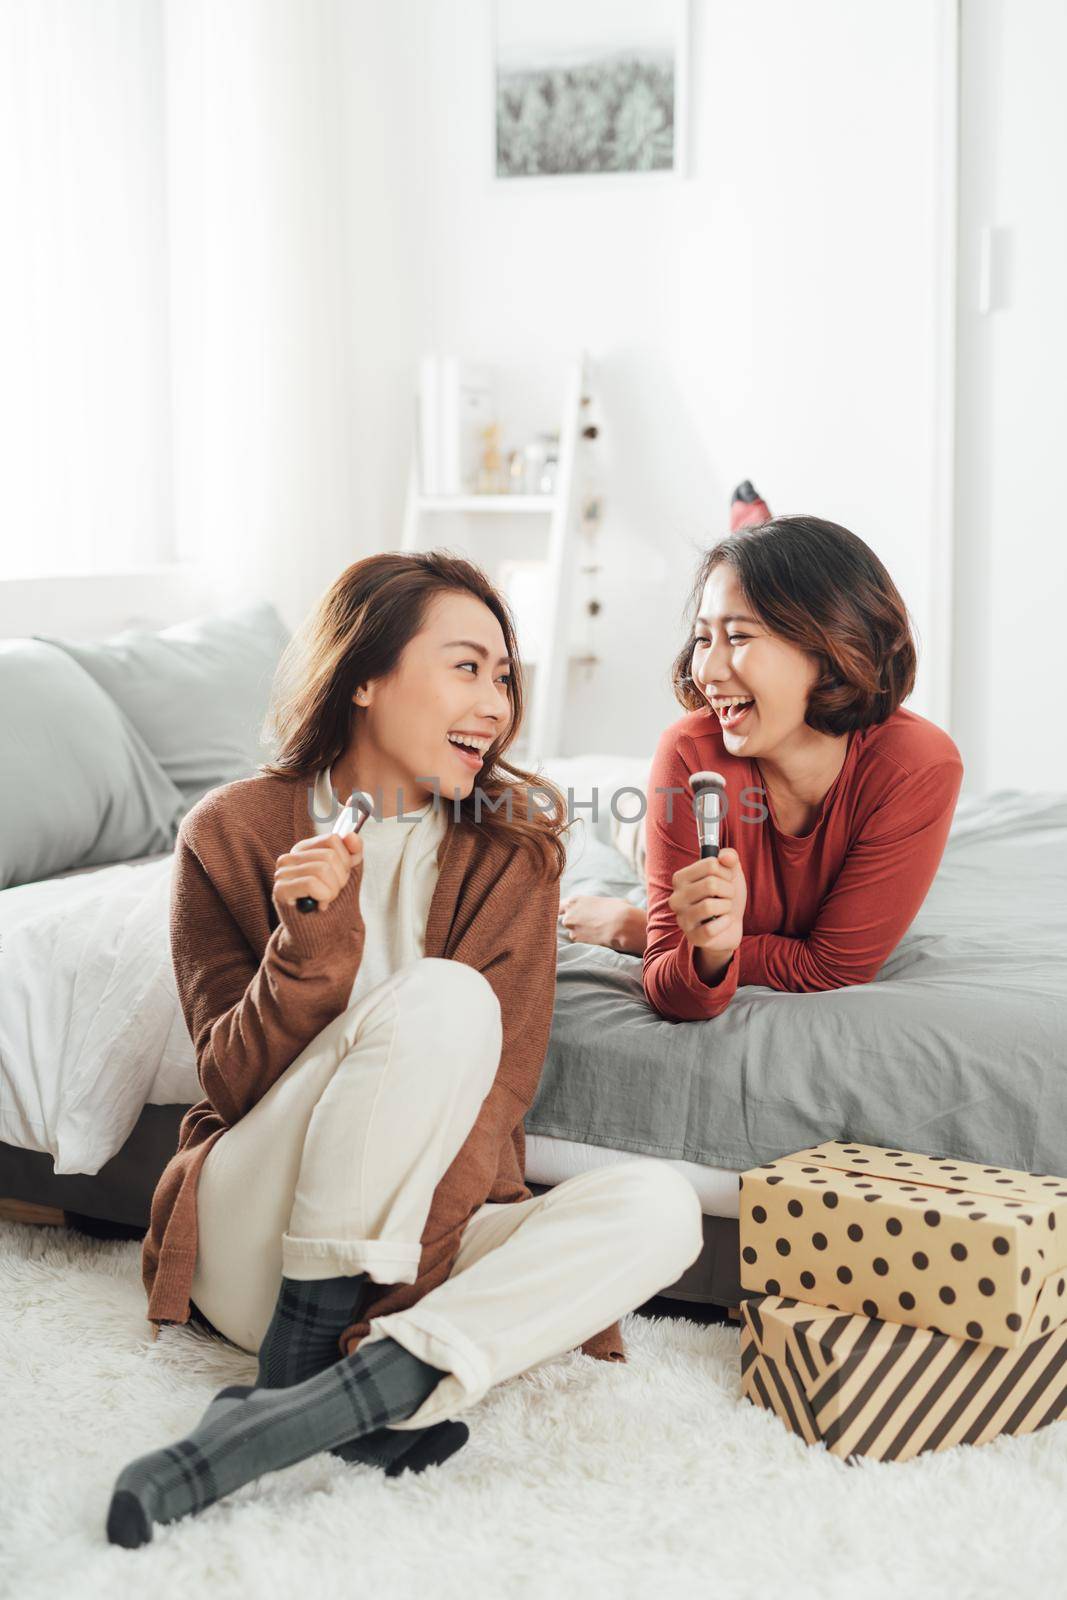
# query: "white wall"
772, 317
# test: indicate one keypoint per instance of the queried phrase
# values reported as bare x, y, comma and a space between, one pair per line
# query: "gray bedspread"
958, 1046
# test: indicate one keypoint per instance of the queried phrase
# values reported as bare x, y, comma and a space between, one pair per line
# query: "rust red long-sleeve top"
824, 909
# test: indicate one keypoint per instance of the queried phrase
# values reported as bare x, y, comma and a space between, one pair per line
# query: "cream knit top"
399, 878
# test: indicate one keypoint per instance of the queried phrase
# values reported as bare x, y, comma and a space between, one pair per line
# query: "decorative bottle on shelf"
490, 472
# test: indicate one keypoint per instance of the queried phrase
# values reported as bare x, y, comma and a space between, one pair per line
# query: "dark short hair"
821, 588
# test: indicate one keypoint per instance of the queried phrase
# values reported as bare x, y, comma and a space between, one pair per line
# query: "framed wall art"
589, 88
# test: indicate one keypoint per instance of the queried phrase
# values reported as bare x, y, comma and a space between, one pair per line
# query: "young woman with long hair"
348, 1199
838, 799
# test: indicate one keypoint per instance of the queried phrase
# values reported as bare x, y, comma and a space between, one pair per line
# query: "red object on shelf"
747, 508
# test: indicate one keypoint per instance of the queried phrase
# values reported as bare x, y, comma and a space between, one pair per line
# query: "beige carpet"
581, 1478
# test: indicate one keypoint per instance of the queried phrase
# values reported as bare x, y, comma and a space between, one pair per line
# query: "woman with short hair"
838, 800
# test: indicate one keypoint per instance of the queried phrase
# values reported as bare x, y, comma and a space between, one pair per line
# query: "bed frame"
116, 1202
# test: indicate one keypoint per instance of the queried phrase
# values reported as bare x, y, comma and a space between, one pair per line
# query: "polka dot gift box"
866, 1387
975, 1252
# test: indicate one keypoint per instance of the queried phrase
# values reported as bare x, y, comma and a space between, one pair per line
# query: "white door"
1010, 594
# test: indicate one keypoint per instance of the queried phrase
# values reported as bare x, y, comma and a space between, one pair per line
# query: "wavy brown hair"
820, 587
358, 631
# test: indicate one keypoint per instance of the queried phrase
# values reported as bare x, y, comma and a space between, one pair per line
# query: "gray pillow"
196, 692
79, 786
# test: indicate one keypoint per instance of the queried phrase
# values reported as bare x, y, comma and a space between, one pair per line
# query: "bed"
957, 1046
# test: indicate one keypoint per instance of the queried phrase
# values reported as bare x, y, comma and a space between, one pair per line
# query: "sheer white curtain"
85, 461
175, 333
261, 293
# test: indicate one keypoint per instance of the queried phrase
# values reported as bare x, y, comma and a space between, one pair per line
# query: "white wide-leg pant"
334, 1171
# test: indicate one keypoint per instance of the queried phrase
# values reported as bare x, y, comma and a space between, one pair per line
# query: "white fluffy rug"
580, 1478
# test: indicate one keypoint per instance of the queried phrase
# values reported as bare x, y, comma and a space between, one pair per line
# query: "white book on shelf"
448, 481
429, 429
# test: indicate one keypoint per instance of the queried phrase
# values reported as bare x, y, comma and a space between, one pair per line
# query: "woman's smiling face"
450, 683
737, 655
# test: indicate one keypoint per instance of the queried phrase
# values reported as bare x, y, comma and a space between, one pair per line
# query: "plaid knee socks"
265, 1431
302, 1339
308, 1320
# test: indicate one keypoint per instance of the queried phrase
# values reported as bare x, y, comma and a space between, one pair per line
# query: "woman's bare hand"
319, 867
602, 919
715, 888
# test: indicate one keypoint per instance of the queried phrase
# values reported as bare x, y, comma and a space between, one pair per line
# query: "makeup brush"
709, 791
360, 806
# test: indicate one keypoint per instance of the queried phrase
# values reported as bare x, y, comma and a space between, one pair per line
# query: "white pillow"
619, 820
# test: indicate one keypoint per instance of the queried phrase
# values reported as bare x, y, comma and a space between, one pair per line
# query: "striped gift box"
867, 1387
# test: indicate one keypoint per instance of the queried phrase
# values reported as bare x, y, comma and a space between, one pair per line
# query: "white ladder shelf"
542, 735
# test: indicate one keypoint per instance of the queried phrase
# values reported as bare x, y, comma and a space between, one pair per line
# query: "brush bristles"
699, 781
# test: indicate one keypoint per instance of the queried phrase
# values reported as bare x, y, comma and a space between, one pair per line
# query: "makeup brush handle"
707, 850
351, 820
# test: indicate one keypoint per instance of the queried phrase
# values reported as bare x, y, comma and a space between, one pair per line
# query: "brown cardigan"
256, 991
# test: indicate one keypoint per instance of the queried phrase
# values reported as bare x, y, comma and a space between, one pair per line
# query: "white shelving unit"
541, 737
